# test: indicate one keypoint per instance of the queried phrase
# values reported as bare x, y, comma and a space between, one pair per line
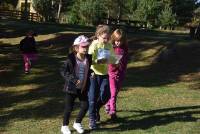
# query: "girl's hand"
115, 65
92, 75
117, 77
102, 61
78, 83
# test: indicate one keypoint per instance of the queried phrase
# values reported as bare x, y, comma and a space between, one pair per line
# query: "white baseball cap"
81, 41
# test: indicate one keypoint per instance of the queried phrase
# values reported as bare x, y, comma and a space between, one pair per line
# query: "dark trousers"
69, 103
98, 95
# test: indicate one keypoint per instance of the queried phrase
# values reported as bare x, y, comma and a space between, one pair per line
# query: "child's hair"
72, 49
31, 33
119, 35
101, 29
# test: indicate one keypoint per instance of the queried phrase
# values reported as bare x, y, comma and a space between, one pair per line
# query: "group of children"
92, 74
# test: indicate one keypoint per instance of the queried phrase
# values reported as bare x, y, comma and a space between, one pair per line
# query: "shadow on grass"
183, 61
42, 96
46, 99
14, 28
152, 118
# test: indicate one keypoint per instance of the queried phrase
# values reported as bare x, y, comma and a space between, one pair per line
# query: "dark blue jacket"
68, 73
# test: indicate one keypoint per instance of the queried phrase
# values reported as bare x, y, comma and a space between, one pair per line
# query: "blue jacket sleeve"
67, 72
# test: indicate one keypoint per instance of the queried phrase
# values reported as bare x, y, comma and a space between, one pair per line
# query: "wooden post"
25, 12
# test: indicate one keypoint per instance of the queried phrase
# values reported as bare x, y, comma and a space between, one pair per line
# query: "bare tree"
25, 10
59, 9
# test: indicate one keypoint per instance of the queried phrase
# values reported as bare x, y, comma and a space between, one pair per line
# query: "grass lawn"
159, 95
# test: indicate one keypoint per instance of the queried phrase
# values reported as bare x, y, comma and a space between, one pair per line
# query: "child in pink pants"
117, 72
28, 58
28, 49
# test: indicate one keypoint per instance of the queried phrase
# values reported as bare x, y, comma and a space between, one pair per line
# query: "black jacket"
68, 73
28, 45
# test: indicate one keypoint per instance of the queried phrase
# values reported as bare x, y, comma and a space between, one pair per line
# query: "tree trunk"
25, 12
59, 9
119, 12
108, 18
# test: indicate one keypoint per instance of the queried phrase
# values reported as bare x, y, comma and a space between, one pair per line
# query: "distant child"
117, 72
99, 91
29, 51
76, 71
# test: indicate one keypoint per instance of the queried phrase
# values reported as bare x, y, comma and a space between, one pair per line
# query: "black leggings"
69, 103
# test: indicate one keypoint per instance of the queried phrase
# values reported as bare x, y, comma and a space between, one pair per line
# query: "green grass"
156, 97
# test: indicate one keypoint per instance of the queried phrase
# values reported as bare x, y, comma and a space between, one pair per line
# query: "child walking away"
28, 49
117, 72
99, 91
76, 71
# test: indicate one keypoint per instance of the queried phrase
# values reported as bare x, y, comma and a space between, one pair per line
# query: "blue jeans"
98, 95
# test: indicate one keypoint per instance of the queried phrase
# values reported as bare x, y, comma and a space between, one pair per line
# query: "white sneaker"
78, 127
65, 130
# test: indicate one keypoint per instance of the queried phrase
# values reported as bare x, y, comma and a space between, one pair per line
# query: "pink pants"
115, 85
28, 57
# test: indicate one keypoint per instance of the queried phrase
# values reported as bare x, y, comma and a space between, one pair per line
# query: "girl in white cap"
76, 72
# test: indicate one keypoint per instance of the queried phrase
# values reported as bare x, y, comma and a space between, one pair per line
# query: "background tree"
147, 10
130, 8
25, 12
141, 10
166, 18
85, 12
196, 16
45, 8
59, 9
8, 4
114, 8
89, 12
50, 9
184, 10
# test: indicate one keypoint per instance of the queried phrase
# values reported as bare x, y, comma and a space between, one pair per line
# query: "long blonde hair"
120, 35
101, 29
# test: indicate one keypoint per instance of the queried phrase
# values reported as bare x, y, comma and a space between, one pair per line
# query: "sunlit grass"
156, 98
